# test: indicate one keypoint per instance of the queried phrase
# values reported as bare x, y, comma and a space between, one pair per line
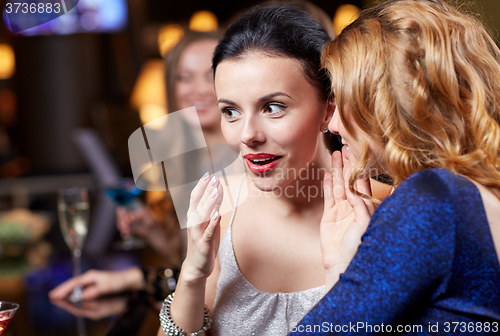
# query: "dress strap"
236, 201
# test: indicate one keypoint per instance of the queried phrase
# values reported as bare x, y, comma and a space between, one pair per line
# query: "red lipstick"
261, 162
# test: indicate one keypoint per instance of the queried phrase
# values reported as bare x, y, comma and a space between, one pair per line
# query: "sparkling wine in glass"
7, 311
73, 208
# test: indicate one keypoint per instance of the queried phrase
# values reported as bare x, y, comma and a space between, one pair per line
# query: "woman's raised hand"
345, 219
203, 228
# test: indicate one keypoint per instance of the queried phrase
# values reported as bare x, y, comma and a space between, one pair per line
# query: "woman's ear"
330, 109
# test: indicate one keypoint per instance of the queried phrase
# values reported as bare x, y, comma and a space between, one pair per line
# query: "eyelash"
226, 110
275, 114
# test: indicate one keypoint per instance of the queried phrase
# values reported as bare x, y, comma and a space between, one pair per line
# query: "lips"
261, 162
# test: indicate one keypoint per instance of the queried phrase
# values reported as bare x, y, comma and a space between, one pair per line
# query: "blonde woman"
417, 86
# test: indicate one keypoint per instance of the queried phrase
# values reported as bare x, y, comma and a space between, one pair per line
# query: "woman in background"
417, 85
189, 82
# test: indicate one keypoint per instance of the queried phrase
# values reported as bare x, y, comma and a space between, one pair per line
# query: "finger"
338, 179
348, 168
198, 192
361, 212
213, 196
91, 293
213, 184
65, 289
213, 226
328, 191
218, 199
121, 221
364, 186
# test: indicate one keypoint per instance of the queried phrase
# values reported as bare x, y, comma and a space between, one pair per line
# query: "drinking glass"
125, 194
73, 208
7, 311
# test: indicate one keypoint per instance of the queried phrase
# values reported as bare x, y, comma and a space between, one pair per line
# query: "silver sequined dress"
242, 309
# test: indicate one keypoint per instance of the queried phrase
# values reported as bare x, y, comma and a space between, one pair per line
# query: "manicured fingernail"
214, 193
205, 176
213, 181
215, 215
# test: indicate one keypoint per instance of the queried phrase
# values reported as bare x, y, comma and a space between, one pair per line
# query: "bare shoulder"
492, 208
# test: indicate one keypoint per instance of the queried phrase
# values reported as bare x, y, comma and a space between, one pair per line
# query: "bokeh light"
168, 36
344, 16
203, 21
7, 61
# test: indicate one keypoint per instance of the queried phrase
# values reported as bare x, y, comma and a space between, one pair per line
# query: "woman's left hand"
345, 219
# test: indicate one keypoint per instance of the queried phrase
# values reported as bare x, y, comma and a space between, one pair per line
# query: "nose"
252, 133
333, 125
204, 86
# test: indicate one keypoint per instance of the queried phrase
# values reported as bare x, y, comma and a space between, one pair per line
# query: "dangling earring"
325, 129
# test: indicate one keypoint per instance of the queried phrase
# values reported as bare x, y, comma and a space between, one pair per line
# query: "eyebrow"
267, 97
272, 95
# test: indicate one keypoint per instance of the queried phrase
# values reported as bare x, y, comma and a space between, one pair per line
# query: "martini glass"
7, 311
125, 194
73, 209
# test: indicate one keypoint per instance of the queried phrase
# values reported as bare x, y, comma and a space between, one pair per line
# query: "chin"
267, 184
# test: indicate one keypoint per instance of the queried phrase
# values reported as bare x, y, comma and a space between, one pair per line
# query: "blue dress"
426, 261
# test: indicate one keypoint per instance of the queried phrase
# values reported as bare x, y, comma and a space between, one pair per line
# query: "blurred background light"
149, 92
203, 21
7, 61
344, 15
168, 36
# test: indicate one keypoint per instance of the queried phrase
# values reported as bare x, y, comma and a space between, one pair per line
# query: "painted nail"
213, 181
205, 176
214, 193
215, 215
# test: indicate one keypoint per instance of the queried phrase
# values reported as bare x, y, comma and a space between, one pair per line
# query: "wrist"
135, 278
332, 274
191, 276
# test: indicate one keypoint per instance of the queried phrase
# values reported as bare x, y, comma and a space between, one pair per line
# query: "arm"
345, 219
404, 258
187, 308
99, 283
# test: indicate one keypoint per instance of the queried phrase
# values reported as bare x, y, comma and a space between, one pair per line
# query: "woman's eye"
274, 109
230, 114
184, 78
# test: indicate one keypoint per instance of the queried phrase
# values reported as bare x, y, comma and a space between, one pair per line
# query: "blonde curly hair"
423, 80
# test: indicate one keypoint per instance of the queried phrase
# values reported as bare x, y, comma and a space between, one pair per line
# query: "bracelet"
172, 329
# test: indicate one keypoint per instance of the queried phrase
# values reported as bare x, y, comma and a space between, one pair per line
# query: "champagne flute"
73, 208
7, 311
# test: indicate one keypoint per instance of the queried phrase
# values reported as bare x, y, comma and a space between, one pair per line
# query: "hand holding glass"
125, 194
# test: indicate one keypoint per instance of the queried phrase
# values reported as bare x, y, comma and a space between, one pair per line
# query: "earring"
325, 129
